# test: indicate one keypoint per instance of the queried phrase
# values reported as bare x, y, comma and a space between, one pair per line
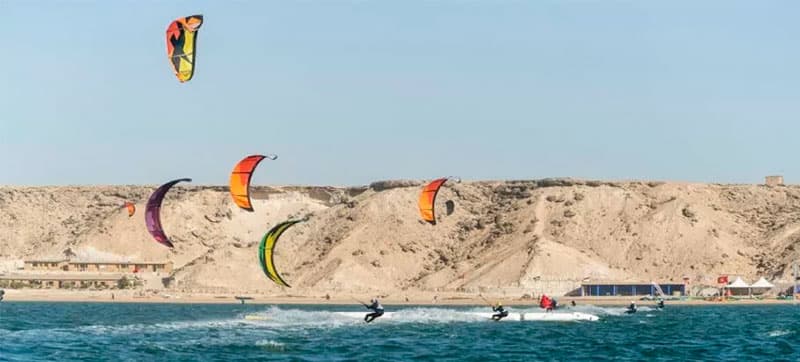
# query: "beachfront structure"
62, 265
73, 280
739, 287
776, 180
618, 289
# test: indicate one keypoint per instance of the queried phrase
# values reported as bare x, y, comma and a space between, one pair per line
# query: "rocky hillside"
509, 236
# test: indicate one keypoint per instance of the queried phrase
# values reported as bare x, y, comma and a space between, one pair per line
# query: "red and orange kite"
427, 199
240, 179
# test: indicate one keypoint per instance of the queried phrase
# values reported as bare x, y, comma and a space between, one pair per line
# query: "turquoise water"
194, 332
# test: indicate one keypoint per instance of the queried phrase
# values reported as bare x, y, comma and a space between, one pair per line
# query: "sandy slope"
503, 238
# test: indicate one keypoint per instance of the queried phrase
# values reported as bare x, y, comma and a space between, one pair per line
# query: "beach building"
45, 265
72, 280
739, 287
776, 180
761, 286
79, 274
619, 289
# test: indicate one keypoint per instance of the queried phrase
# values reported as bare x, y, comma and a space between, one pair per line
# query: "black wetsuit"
660, 304
377, 311
631, 309
500, 313
2, 293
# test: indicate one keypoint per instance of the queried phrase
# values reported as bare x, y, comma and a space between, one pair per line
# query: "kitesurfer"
546, 303
631, 308
573, 303
2, 293
660, 304
376, 308
500, 312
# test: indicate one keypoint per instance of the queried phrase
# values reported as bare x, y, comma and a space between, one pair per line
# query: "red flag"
722, 279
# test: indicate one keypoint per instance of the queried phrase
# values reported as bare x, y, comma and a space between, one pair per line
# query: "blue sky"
347, 92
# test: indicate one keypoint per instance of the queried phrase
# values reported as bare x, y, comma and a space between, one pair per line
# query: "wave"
271, 345
778, 333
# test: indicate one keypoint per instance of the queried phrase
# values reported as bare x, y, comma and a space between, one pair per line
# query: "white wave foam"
123, 329
271, 345
276, 317
778, 333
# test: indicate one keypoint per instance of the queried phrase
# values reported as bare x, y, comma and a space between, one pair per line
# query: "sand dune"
511, 237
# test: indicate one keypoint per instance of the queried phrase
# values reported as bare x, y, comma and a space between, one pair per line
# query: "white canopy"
762, 283
738, 283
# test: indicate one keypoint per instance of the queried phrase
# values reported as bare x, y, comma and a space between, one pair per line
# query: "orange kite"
240, 179
427, 198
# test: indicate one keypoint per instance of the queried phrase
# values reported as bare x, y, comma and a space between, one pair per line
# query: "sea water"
217, 332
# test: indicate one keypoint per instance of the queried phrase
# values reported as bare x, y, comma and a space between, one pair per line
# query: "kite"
152, 213
427, 200
240, 179
182, 44
131, 208
265, 254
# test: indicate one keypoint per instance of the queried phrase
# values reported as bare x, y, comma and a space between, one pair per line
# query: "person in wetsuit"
500, 312
660, 304
631, 308
377, 310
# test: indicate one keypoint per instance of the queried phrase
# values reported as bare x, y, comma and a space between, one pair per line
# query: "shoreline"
24, 295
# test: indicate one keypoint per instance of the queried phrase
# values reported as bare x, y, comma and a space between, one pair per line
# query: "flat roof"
120, 262
613, 282
46, 261
98, 262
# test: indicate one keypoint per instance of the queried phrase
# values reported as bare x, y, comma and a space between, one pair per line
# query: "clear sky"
347, 92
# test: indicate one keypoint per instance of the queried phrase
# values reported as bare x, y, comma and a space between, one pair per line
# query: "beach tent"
761, 286
738, 287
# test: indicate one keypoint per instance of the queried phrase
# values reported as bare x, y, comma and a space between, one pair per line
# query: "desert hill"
506, 237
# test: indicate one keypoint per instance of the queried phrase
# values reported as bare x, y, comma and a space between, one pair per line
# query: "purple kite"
152, 213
